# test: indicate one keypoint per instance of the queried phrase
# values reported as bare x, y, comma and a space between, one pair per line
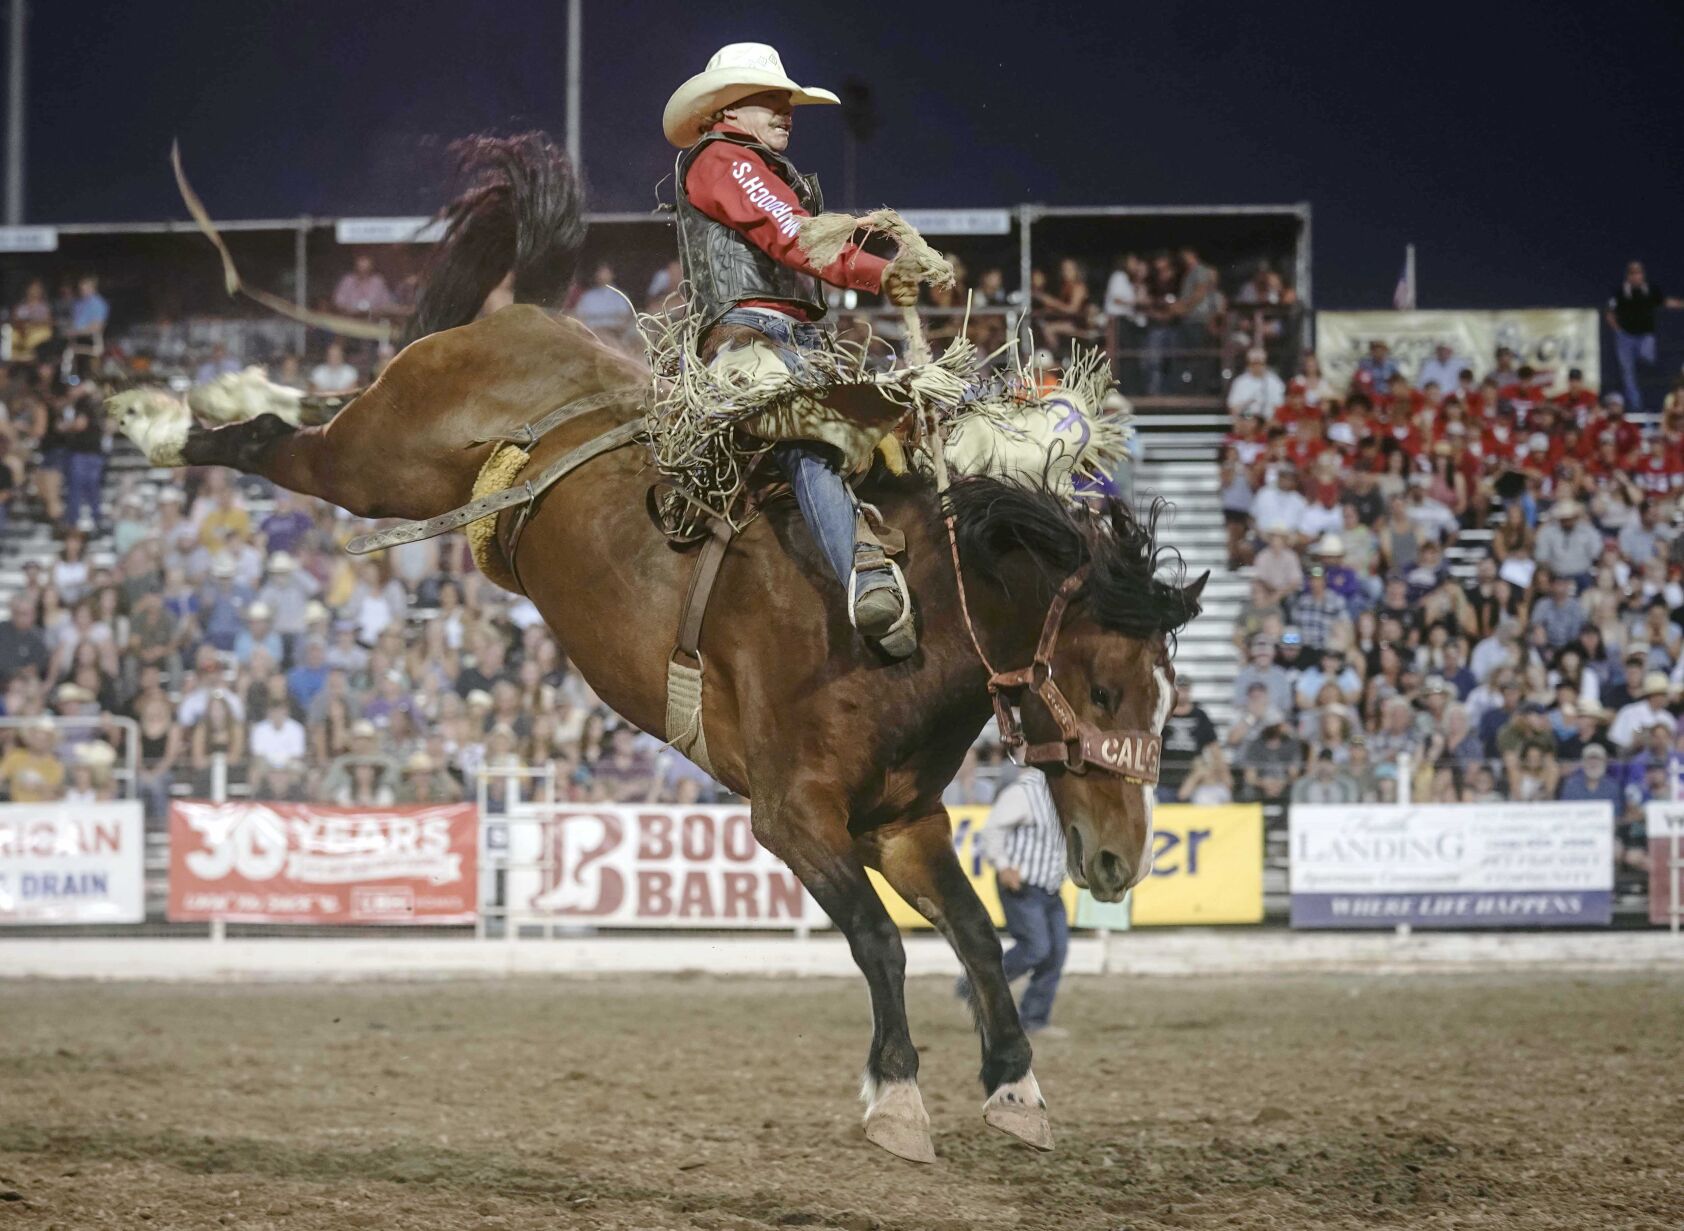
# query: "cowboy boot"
880, 606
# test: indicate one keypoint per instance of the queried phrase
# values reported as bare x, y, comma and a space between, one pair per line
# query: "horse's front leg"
918, 860
807, 828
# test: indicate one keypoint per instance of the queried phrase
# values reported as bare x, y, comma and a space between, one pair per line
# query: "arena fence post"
219, 794
1404, 778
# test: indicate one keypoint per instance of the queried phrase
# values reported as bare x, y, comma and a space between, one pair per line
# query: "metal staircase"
1182, 439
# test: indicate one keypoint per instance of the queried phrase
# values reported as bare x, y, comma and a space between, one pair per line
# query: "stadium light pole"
575, 20
15, 66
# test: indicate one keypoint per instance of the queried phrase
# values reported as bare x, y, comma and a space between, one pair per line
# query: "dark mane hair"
522, 210
1124, 590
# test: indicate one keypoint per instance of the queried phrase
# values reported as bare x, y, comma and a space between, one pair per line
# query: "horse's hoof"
896, 1121
1020, 1110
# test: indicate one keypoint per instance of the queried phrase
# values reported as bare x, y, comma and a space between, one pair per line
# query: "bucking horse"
1055, 617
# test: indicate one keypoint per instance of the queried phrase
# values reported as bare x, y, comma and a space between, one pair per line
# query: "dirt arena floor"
1306, 1102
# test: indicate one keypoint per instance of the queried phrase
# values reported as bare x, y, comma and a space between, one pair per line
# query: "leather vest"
722, 266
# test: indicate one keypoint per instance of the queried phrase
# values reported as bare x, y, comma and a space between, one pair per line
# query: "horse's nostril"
1111, 869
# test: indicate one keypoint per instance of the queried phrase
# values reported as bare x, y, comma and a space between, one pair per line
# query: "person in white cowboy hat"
741, 205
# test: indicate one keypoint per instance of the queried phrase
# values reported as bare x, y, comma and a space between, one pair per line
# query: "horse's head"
1120, 690
1092, 703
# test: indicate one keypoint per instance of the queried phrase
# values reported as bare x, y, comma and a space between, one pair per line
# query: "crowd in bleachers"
1470, 577
219, 635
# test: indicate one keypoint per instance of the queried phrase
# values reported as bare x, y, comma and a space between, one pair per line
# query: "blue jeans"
1629, 348
1035, 919
826, 502
83, 473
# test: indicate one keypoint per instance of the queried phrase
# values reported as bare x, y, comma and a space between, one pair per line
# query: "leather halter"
1133, 756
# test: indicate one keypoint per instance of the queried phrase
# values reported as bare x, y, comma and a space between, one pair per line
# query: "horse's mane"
1134, 586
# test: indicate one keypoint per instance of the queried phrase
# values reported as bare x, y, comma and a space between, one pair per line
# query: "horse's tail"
523, 210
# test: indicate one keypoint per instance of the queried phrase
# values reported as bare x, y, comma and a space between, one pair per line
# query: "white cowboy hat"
733, 73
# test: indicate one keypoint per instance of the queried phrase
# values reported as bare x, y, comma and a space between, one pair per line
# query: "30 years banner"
71, 863
316, 863
1549, 339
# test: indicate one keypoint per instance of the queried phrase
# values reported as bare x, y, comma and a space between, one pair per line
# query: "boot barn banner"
651, 867
316, 863
1207, 867
72, 863
1451, 865
1665, 825
1550, 340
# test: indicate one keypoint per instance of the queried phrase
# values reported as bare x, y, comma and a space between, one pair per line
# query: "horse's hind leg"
808, 831
918, 860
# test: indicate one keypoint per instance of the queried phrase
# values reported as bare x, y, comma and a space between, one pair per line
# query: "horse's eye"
1101, 697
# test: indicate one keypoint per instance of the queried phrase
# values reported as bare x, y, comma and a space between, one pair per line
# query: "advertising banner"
1549, 339
1665, 824
1451, 865
72, 863
317, 863
1207, 866
653, 866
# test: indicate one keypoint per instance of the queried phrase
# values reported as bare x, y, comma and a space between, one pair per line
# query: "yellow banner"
1549, 339
967, 822
1207, 867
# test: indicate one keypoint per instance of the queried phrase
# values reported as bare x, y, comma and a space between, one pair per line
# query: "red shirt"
732, 184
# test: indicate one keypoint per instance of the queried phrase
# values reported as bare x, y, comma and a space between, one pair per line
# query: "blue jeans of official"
826, 502
1629, 348
1035, 919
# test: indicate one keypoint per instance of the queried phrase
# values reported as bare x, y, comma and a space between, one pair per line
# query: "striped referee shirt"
1023, 832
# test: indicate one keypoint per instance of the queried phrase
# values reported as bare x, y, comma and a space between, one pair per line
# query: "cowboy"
740, 208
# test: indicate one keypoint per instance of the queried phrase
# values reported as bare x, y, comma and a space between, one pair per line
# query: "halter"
1132, 755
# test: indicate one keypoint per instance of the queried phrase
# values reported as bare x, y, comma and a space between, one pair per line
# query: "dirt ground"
728, 1105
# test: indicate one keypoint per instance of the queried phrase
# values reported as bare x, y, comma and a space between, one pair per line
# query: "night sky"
1527, 150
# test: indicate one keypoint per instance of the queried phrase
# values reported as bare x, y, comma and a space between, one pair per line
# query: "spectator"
1195, 310
1591, 781
1559, 615
1188, 731
1317, 612
89, 314
333, 374
1271, 760
1443, 368
1277, 566
219, 732
605, 311
32, 771
362, 291
1279, 503
1258, 390
1631, 317
1063, 315
1648, 710
1568, 545
1325, 783
159, 752
1209, 782
1376, 369
1263, 670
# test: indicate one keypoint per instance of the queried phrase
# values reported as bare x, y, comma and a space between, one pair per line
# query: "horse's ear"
1190, 594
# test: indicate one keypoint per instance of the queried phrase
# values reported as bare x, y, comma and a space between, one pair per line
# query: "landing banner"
317, 863
1665, 825
652, 866
1550, 340
1451, 865
72, 863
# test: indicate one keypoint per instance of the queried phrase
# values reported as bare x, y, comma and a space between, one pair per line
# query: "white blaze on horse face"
1149, 794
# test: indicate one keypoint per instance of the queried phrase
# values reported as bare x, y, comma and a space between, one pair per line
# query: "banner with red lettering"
317, 863
72, 863
655, 866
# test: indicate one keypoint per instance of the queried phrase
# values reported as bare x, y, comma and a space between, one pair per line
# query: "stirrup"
901, 637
